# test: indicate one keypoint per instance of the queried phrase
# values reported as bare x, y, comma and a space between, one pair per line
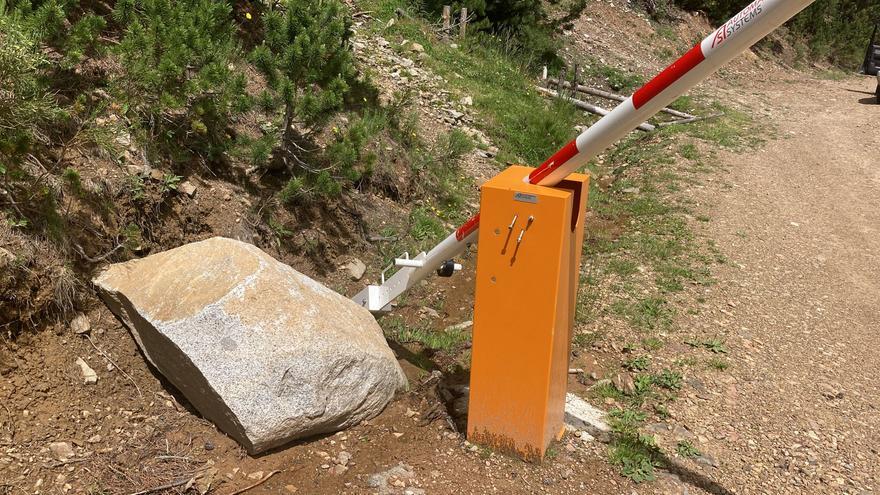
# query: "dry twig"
273, 473
107, 357
181, 481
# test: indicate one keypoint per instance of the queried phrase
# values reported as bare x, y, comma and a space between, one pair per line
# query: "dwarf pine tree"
26, 107
178, 74
307, 61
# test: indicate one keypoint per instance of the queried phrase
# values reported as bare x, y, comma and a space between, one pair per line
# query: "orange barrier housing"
528, 265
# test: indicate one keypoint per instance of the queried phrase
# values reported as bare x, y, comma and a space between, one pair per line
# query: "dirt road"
799, 218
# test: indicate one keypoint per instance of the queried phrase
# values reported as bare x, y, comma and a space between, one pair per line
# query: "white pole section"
736, 35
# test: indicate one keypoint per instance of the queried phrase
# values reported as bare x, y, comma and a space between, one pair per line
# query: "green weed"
636, 455
686, 449
652, 343
718, 364
668, 379
640, 363
170, 182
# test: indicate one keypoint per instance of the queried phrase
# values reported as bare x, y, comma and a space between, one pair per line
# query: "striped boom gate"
527, 265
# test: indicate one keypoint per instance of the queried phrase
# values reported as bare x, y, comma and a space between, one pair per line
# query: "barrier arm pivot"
736, 35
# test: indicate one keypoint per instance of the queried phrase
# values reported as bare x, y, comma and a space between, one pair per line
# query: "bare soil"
798, 410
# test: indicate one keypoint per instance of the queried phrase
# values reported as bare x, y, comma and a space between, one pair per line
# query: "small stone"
430, 312
467, 101
89, 375
209, 446
459, 326
338, 469
343, 458
256, 475
61, 450
290, 488
455, 114
325, 466
624, 383
94, 439
187, 187
80, 324
416, 48
397, 434
355, 268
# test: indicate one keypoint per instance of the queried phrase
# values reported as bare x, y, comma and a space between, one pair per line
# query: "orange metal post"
528, 264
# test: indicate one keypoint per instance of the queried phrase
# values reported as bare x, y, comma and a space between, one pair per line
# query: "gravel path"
799, 218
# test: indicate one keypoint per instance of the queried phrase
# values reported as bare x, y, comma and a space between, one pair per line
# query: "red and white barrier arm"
736, 35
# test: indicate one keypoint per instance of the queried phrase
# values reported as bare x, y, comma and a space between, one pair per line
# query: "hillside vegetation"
834, 31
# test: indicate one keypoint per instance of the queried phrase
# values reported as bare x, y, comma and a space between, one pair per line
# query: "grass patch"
713, 345
685, 362
718, 364
449, 341
622, 267
652, 313
583, 340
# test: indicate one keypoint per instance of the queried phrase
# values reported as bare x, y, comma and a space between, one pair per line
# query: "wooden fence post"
559, 86
447, 14
463, 22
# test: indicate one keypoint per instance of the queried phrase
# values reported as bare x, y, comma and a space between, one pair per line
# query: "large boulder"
266, 353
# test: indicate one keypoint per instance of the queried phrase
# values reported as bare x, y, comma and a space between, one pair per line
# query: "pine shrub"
178, 72
307, 61
26, 107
